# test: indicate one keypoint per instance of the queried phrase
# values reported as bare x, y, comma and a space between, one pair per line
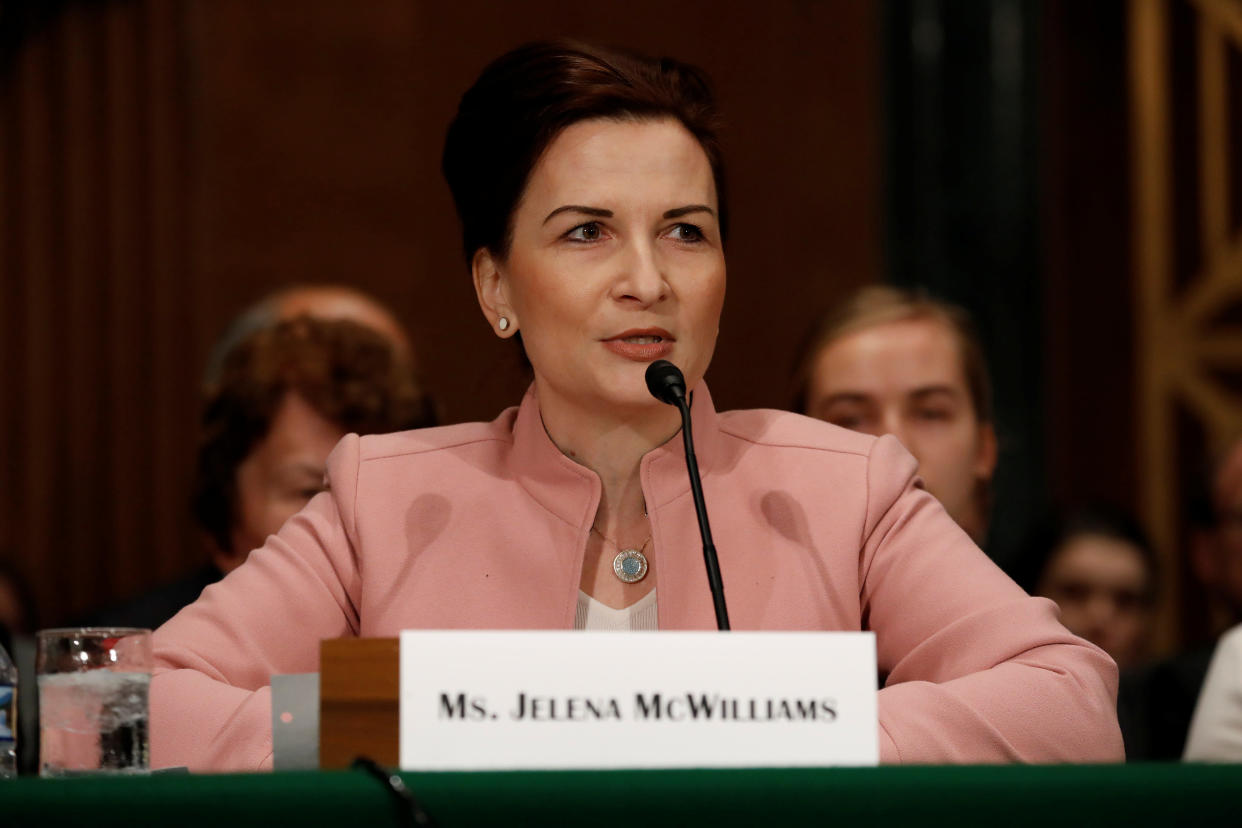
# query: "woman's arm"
978, 671
210, 697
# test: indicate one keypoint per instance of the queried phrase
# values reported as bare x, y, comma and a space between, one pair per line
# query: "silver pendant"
630, 565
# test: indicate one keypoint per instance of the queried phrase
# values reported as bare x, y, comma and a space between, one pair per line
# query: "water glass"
93, 709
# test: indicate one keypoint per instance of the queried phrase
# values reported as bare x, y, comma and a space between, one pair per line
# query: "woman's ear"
490, 288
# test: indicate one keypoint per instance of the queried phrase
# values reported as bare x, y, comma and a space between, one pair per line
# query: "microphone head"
666, 383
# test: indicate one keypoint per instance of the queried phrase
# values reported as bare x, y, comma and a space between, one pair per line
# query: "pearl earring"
503, 324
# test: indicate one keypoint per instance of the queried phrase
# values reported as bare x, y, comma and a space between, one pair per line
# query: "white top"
1216, 729
593, 615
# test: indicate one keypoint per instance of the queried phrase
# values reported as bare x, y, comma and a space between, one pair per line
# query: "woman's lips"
641, 346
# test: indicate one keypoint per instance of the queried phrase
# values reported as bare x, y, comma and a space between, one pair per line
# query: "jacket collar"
571, 491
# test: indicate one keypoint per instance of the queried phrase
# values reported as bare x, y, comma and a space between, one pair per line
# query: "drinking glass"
93, 700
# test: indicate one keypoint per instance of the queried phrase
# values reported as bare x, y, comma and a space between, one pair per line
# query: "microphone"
666, 384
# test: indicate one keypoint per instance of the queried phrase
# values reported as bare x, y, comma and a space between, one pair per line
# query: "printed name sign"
561, 700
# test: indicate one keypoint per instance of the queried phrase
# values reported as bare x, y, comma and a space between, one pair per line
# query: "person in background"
893, 361
17, 606
1155, 704
18, 622
285, 397
1216, 727
1216, 543
277, 402
1100, 568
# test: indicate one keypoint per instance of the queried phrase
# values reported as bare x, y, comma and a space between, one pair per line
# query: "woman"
1216, 728
280, 396
589, 184
892, 361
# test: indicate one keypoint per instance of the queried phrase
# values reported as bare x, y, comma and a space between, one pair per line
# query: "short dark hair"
525, 98
350, 374
1055, 530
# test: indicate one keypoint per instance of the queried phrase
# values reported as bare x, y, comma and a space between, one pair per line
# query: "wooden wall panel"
1086, 265
321, 140
172, 294
100, 422
1143, 275
38, 430
80, 365
1188, 269
163, 163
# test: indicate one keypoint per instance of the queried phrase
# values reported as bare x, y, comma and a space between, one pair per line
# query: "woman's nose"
1101, 609
643, 279
893, 423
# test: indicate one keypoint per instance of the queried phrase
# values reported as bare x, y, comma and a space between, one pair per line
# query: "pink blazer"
482, 525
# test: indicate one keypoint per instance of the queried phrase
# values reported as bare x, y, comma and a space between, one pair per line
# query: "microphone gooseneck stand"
666, 384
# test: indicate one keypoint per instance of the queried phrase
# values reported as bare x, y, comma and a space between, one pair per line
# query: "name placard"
562, 700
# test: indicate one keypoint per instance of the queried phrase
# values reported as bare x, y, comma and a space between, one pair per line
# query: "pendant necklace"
630, 565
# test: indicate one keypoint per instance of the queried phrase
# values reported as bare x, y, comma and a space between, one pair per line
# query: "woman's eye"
588, 232
1075, 592
687, 232
854, 421
933, 414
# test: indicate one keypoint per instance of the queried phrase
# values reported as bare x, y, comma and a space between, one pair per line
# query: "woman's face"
616, 261
279, 476
1101, 584
906, 378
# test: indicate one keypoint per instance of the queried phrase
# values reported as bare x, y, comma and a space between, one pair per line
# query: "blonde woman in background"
892, 361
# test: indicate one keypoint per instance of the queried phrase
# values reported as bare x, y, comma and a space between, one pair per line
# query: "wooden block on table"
359, 690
